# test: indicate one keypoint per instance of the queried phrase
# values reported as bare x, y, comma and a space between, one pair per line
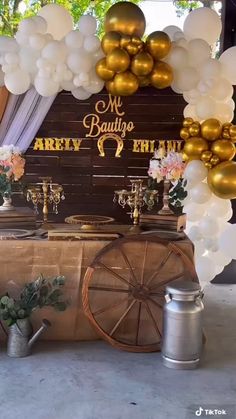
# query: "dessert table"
21, 261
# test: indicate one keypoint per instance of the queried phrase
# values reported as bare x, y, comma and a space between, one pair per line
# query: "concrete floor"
95, 381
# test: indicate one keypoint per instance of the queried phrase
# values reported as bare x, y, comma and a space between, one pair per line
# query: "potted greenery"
43, 292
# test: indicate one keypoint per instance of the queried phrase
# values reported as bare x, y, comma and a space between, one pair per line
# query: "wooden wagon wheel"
123, 289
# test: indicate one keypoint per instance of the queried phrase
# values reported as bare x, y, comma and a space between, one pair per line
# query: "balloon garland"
48, 54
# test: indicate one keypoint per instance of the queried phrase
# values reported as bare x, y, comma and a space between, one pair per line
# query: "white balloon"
74, 39
79, 62
175, 88
59, 20
205, 107
222, 89
95, 83
218, 269
205, 269
9, 68
183, 43
27, 26
8, 44
12, 58
231, 104
211, 244
92, 43
227, 241
210, 69
186, 79
28, 59
218, 207
37, 41
87, 25
46, 87
203, 22
44, 73
17, 82
194, 234
177, 58
77, 82
41, 24
171, 30
98, 55
224, 112
178, 35
203, 87
190, 111
200, 193
54, 51
80, 93
194, 211
67, 85
208, 226
195, 171
199, 249
228, 61
191, 96
220, 258
198, 51
68, 75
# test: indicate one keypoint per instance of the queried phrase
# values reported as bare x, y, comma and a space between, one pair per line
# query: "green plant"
43, 292
177, 193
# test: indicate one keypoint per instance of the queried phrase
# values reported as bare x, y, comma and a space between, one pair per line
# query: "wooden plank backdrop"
89, 180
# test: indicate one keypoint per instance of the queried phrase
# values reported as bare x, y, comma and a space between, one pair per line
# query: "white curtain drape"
23, 117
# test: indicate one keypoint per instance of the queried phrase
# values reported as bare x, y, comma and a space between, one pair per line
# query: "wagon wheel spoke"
156, 303
163, 262
93, 288
166, 281
139, 317
144, 260
158, 294
111, 306
129, 265
115, 274
122, 318
152, 318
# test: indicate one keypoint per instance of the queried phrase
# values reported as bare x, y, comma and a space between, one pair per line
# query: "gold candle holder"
45, 193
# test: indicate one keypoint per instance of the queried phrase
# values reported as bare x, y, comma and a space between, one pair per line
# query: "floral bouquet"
168, 168
12, 166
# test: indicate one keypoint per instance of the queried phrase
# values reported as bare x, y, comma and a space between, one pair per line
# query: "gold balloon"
118, 60
211, 129
222, 180
224, 149
124, 41
206, 156
102, 71
194, 129
126, 18
184, 133
208, 165
232, 131
214, 160
132, 49
158, 44
225, 134
126, 84
162, 75
227, 125
142, 64
144, 81
110, 86
187, 122
137, 41
110, 41
195, 146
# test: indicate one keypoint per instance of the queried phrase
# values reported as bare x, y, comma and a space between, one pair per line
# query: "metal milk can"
182, 325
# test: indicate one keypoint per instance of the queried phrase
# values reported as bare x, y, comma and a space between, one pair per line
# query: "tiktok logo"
199, 411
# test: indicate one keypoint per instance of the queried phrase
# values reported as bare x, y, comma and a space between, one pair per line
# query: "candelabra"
45, 193
136, 198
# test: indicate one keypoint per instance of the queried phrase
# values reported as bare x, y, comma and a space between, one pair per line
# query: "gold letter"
67, 144
179, 145
113, 105
91, 125
136, 146
152, 146
38, 145
144, 146
76, 144
49, 144
59, 144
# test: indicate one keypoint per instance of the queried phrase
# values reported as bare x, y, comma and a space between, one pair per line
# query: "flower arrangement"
169, 168
12, 165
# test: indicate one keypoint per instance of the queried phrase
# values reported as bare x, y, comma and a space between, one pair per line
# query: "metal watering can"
21, 338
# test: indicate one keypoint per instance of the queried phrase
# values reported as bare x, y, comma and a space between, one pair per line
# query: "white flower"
6, 152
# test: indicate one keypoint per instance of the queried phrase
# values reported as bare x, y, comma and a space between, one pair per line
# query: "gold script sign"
116, 128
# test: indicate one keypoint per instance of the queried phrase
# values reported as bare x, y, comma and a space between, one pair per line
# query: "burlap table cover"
22, 261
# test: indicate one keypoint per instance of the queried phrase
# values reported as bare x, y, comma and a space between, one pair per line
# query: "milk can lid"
183, 287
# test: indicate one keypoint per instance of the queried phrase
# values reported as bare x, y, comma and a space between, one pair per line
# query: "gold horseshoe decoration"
120, 144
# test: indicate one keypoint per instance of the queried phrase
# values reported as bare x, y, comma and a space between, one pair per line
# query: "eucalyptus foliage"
40, 293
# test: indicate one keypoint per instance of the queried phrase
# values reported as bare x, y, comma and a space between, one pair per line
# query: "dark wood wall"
89, 180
